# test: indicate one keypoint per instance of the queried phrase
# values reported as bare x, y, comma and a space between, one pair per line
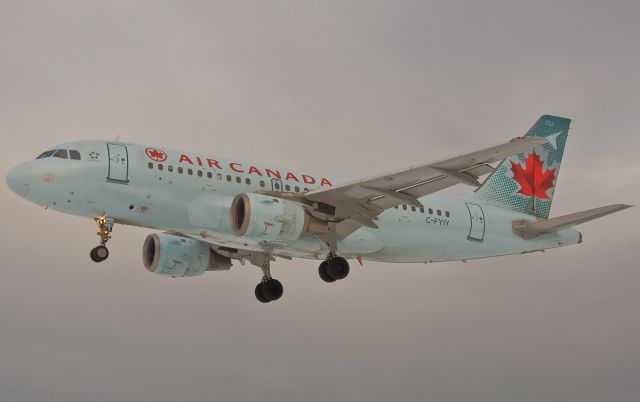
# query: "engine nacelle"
177, 256
272, 219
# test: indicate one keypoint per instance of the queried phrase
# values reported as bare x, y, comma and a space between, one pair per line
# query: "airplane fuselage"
191, 193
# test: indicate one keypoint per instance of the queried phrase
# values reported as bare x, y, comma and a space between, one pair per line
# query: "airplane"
212, 211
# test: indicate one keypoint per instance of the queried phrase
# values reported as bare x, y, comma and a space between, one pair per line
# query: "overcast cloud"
348, 89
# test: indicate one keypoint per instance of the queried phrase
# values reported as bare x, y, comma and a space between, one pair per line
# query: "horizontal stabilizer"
529, 230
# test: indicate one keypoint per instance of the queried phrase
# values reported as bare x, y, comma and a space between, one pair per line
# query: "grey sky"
346, 88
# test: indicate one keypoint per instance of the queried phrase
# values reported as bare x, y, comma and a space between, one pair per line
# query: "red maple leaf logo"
156, 154
532, 180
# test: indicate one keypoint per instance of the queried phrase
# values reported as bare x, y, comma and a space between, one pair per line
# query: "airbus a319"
212, 211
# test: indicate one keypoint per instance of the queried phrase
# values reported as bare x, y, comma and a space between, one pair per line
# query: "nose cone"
19, 179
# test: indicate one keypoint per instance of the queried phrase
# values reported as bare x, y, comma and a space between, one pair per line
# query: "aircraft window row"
422, 210
60, 153
229, 178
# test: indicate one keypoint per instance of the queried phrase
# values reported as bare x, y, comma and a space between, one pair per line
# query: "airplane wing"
358, 203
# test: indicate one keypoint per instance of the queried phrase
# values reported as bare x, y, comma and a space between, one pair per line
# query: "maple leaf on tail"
533, 181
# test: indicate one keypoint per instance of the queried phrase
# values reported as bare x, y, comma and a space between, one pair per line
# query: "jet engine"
272, 219
177, 256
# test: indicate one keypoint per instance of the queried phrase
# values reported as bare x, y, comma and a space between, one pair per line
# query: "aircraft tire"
272, 289
260, 295
99, 253
338, 268
93, 256
324, 275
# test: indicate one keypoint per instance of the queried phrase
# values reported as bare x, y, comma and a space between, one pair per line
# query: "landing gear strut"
268, 289
101, 253
333, 268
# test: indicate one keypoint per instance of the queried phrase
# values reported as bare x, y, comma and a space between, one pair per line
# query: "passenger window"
61, 153
209, 175
247, 181
422, 210
238, 179
446, 213
199, 173
430, 211
306, 189
228, 177
190, 172
46, 154
150, 165
413, 209
75, 155
296, 189
439, 213
180, 170
160, 167
219, 176
170, 168
277, 186
287, 187
261, 183
404, 207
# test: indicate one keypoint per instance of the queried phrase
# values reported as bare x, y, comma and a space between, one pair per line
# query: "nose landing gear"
101, 253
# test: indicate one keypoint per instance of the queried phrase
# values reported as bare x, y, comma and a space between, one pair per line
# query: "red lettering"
325, 181
213, 163
308, 179
199, 161
291, 176
233, 165
253, 169
185, 158
271, 173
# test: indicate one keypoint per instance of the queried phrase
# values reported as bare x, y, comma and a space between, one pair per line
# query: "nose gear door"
477, 227
118, 163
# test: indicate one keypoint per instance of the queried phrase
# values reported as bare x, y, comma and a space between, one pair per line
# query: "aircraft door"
276, 185
118, 163
476, 229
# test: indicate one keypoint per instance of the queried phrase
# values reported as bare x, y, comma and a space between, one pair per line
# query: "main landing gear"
268, 289
333, 268
101, 253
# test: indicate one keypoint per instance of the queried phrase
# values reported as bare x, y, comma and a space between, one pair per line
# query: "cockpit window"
46, 154
61, 153
73, 154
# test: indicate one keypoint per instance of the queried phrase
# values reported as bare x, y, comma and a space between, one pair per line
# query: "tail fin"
526, 182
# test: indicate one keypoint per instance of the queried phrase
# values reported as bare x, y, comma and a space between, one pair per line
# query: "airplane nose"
19, 178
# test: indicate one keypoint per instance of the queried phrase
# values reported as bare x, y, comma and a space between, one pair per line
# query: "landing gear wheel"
322, 270
337, 268
272, 289
268, 289
99, 254
260, 294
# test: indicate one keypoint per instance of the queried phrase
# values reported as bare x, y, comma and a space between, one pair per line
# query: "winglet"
528, 230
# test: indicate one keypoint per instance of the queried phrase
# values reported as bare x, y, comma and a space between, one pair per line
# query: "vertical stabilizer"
526, 182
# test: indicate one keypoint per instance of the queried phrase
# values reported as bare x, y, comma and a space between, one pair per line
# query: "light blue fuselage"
123, 182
